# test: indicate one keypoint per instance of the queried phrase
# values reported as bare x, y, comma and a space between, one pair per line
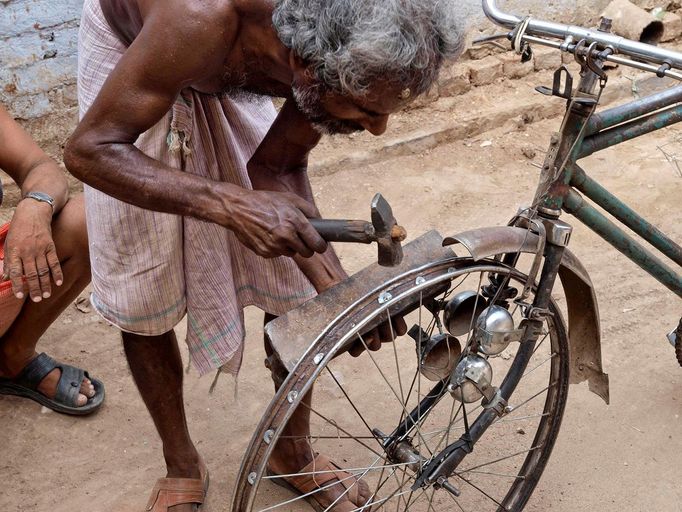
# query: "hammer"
383, 230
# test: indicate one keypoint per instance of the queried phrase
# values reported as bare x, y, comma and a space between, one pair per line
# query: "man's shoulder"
188, 12
204, 24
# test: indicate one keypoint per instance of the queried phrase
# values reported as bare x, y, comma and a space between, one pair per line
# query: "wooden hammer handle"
355, 231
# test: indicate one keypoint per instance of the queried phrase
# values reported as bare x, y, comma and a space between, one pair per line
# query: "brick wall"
38, 43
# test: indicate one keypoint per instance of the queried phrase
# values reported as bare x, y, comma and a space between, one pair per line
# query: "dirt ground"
612, 458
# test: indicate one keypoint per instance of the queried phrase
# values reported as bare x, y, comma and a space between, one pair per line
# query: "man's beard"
309, 101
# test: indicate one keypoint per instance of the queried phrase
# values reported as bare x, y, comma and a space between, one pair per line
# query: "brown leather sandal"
169, 492
321, 471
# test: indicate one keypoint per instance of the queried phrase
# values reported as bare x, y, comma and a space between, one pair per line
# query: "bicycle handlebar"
572, 34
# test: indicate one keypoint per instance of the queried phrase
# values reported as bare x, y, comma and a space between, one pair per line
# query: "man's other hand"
385, 333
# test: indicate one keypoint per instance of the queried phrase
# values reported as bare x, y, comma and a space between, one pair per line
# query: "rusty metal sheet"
485, 242
583, 327
292, 334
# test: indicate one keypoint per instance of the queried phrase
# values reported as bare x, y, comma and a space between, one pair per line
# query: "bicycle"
475, 392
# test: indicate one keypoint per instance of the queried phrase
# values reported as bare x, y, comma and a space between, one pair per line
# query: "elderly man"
194, 180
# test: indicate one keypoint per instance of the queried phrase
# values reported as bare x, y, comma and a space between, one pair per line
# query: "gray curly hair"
350, 44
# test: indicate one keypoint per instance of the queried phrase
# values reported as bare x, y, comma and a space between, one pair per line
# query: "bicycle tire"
322, 353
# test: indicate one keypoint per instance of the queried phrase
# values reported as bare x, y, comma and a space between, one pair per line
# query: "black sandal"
68, 388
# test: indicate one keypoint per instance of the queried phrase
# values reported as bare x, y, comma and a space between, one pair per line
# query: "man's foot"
335, 485
48, 386
186, 484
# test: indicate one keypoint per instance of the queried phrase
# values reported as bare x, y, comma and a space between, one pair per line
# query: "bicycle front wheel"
359, 404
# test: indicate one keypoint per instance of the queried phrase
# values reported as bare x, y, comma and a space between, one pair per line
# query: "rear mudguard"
581, 302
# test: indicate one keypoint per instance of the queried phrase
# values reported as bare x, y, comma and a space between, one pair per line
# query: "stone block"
652, 4
479, 52
672, 26
546, 58
454, 80
512, 67
485, 71
425, 99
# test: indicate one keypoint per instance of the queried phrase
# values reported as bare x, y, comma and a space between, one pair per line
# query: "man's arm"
280, 163
175, 49
29, 249
28, 165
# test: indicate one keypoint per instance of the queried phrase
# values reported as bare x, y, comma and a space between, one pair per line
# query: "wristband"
41, 197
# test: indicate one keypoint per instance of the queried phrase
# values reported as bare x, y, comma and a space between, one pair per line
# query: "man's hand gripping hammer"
383, 230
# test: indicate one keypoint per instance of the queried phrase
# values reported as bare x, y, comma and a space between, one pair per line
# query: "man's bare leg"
294, 451
156, 366
18, 344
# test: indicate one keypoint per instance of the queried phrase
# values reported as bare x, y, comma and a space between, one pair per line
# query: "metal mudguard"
581, 302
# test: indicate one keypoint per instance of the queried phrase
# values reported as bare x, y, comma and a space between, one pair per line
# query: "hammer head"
389, 234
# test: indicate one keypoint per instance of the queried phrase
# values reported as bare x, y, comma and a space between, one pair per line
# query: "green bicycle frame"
563, 182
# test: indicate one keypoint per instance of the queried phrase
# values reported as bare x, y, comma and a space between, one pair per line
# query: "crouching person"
44, 265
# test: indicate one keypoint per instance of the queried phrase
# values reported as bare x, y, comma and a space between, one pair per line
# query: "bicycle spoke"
433, 491
395, 356
452, 421
540, 344
504, 475
345, 493
409, 499
381, 501
348, 470
473, 313
380, 485
362, 418
541, 364
419, 360
456, 502
500, 459
520, 418
516, 407
381, 475
329, 437
336, 425
480, 490
402, 484
417, 376
389, 385
304, 496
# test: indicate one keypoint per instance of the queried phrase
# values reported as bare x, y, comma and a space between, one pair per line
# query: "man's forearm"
124, 172
322, 270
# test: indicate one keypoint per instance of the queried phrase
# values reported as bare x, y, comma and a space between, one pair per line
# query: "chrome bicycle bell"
494, 330
439, 356
471, 380
460, 310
